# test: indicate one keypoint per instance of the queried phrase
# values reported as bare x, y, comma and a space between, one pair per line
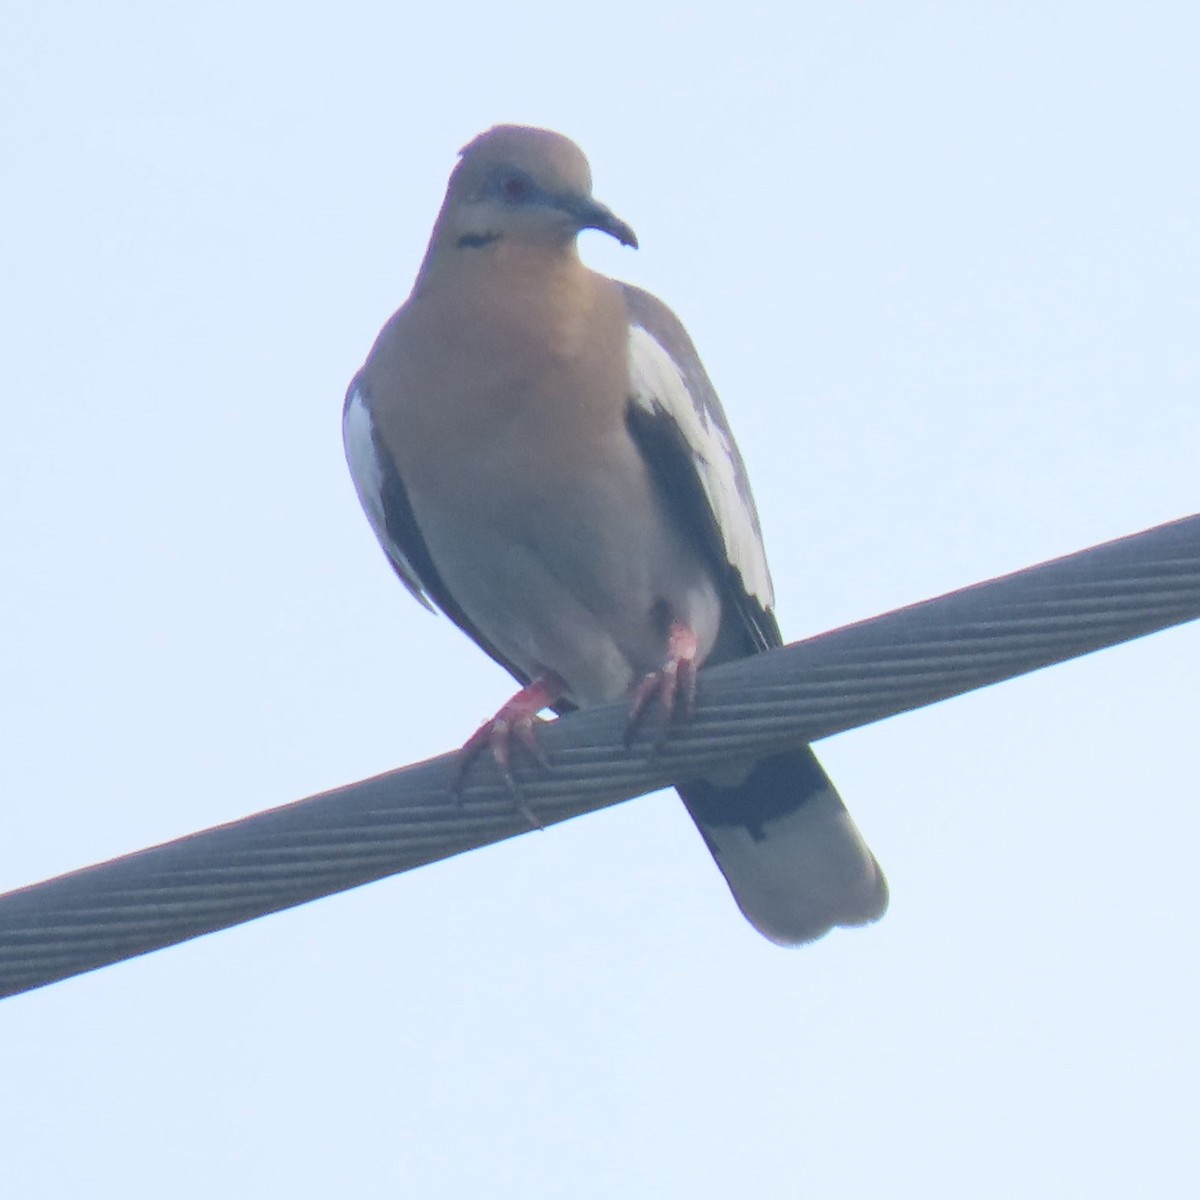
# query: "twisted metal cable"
408, 817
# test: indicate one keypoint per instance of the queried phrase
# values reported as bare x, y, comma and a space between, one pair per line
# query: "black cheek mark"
474, 240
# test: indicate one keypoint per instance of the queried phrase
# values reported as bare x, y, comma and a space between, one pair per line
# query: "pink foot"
674, 683
515, 721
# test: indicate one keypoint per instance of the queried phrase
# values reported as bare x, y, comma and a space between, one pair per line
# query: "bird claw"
498, 735
517, 721
674, 685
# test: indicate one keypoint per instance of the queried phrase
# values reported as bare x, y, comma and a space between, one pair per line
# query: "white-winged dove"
542, 457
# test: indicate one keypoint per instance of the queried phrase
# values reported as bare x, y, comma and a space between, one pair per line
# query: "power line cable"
408, 817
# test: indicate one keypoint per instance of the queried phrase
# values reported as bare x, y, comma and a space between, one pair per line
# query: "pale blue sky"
941, 262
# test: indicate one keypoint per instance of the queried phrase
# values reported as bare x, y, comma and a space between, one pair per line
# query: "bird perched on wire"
542, 457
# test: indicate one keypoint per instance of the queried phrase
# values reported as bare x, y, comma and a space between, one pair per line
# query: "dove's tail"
788, 849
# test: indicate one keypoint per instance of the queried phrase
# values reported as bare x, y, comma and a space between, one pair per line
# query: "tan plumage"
543, 458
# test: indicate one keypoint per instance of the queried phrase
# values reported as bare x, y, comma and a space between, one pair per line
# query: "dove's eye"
515, 187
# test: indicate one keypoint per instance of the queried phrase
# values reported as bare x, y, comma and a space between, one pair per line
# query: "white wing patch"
659, 387
362, 455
